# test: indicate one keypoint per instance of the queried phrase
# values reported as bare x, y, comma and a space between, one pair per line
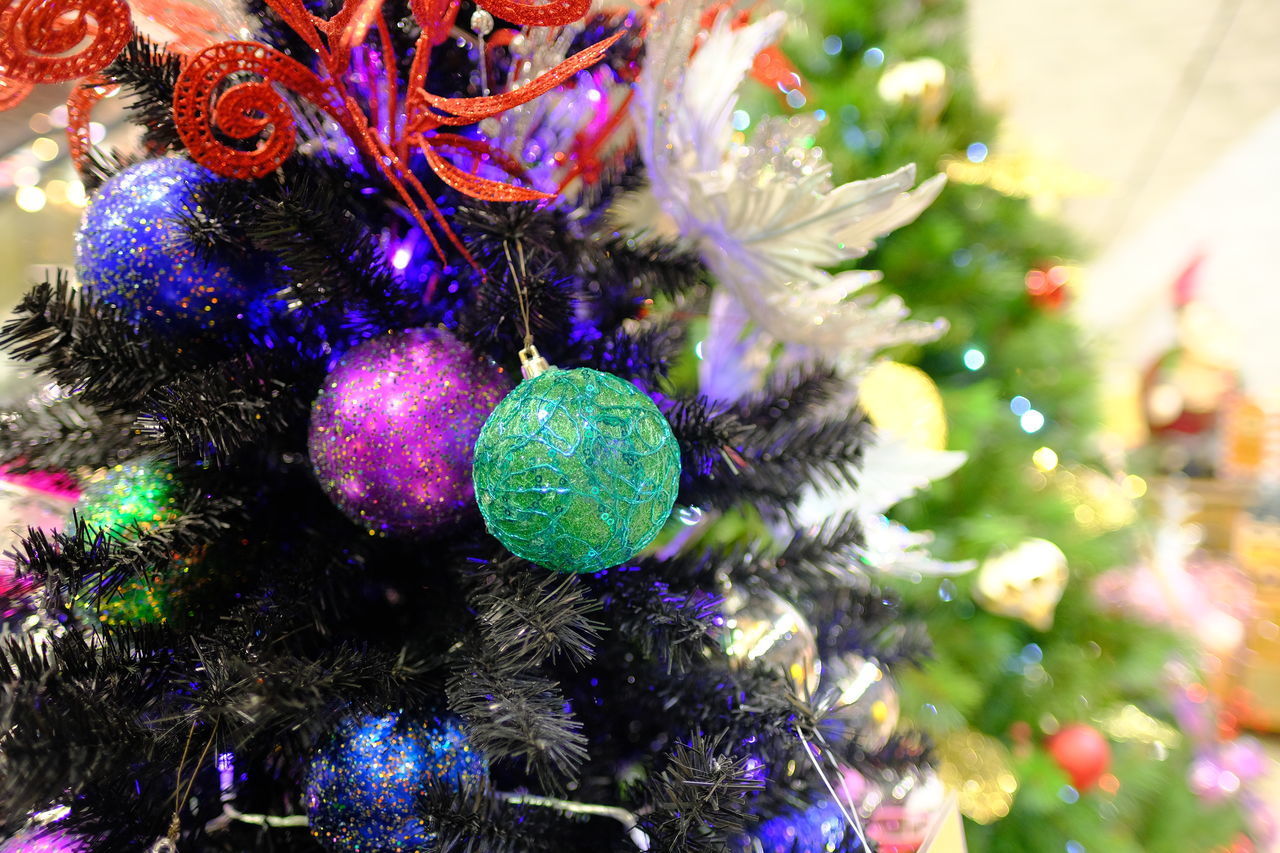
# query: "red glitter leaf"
470, 110
533, 14
12, 92
468, 183
202, 100
52, 41
436, 17
79, 105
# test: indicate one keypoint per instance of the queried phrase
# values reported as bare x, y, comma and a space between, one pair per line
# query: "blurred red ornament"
1082, 752
1048, 287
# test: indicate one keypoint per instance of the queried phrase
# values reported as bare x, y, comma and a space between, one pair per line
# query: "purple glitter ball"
48, 840
394, 428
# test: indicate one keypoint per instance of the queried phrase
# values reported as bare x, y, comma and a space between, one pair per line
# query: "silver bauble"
859, 701
760, 625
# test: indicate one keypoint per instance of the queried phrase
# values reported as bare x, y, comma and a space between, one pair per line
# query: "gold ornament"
921, 80
1134, 724
860, 702
1021, 174
1025, 582
760, 625
904, 402
980, 770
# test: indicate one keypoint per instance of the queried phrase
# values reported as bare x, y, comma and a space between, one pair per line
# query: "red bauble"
1083, 752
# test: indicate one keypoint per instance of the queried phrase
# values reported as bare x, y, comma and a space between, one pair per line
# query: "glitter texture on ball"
820, 828
393, 428
363, 784
576, 470
133, 494
134, 252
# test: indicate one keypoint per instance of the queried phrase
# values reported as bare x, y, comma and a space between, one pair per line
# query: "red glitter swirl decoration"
204, 100
79, 105
12, 92
52, 41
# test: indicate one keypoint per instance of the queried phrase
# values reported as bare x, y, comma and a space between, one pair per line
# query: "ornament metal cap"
532, 363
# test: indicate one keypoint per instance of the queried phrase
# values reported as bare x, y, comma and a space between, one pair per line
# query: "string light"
30, 199
1045, 459
1031, 421
1019, 405
974, 359
44, 149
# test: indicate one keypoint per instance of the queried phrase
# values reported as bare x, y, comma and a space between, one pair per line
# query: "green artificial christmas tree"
1013, 678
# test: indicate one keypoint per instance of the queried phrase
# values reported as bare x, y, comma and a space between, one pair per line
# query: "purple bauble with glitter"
394, 428
44, 841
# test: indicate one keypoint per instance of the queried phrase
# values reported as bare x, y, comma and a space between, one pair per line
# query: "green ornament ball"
576, 470
132, 494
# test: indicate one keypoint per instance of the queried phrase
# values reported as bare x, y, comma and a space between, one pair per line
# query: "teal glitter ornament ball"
576, 470
364, 781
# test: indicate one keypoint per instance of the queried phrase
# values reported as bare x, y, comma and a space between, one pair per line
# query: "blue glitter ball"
133, 251
363, 784
576, 470
820, 828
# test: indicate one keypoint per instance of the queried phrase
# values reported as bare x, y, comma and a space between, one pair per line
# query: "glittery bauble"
133, 494
393, 429
1083, 752
576, 470
862, 702
363, 785
1025, 582
979, 769
46, 840
186, 584
135, 253
760, 626
820, 828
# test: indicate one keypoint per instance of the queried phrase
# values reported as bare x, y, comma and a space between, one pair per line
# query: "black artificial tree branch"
64, 434
86, 345
149, 74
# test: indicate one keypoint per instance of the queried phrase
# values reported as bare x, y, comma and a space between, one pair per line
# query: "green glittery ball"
576, 470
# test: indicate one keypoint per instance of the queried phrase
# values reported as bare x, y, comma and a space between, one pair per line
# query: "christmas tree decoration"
393, 427
134, 252
765, 215
363, 783
45, 840
1025, 582
760, 626
1082, 752
902, 401
859, 702
901, 823
979, 769
133, 494
153, 599
819, 828
576, 470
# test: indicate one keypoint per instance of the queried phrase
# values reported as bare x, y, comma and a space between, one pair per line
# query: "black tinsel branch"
209, 414
514, 712
63, 434
473, 820
67, 560
789, 395
699, 799
85, 345
149, 73
648, 267
661, 622
535, 616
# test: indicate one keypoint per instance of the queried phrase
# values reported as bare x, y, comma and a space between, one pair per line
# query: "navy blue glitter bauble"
363, 784
820, 828
134, 252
